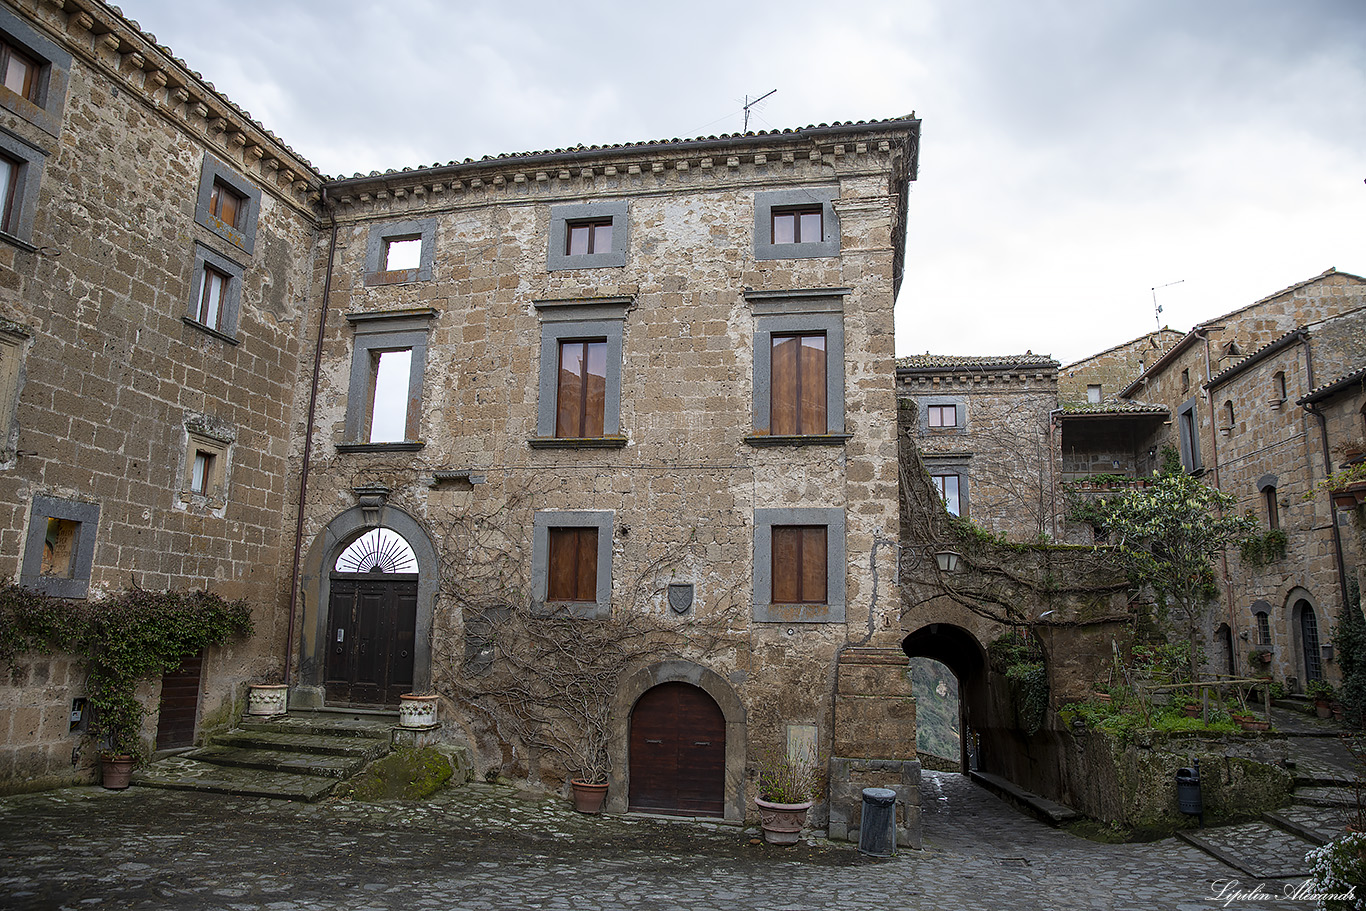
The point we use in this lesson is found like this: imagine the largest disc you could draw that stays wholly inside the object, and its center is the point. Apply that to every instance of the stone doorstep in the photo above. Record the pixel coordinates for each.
(1255, 848)
(1051, 812)
(331, 724)
(184, 774)
(317, 764)
(321, 744)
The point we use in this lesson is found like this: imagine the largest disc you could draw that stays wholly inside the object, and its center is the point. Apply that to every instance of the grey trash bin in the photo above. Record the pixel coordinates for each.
(877, 833)
(1188, 799)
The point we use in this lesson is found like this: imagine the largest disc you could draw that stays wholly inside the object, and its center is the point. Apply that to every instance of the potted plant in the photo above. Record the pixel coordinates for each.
(1321, 691)
(417, 710)
(787, 786)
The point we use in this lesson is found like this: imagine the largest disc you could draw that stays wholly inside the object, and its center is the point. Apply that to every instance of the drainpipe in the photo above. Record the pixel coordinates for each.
(1054, 469)
(1214, 459)
(1327, 470)
(308, 446)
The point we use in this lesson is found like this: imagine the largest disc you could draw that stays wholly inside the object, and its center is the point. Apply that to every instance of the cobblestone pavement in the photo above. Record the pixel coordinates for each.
(485, 847)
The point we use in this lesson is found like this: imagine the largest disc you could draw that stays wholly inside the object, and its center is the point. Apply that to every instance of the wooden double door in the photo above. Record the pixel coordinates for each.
(371, 631)
(678, 752)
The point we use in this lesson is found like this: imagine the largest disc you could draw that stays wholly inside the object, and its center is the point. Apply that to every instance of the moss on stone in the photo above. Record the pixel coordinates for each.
(405, 774)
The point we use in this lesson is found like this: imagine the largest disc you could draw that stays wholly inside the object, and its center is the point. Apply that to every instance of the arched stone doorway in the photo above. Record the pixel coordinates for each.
(959, 650)
(1223, 659)
(715, 688)
(368, 589)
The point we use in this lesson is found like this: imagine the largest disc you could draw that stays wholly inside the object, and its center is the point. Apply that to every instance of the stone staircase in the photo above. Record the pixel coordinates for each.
(298, 756)
(1323, 801)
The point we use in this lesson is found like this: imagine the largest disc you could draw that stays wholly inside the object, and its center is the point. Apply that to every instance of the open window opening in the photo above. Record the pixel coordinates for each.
(402, 253)
(388, 405)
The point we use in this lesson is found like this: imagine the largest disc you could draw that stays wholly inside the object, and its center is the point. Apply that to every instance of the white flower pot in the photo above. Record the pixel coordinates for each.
(417, 711)
(267, 699)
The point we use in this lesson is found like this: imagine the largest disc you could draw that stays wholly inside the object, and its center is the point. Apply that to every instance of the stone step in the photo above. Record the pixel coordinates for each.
(183, 773)
(1316, 824)
(315, 764)
(1256, 848)
(320, 744)
(376, 726)
(1307, 778)
(1051, 812)
(1326, 796)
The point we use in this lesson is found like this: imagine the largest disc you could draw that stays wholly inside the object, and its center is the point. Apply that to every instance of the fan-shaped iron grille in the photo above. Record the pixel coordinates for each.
(378, 551)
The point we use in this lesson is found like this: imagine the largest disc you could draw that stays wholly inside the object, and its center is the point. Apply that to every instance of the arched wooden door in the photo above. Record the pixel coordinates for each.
(372, 620)
(1309, 641)
(678, 752)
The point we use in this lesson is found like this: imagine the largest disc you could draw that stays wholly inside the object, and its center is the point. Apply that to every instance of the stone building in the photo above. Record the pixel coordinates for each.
(156, 255)
(654, 378)
(1099, 378)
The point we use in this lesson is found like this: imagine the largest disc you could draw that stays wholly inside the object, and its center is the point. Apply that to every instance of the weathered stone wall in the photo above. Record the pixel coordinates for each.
(111, 375)
(1113, 368)
(684, 484)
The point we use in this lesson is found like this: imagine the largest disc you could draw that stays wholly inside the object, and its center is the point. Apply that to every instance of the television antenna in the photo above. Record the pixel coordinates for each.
(1157, 308)
(749, 104)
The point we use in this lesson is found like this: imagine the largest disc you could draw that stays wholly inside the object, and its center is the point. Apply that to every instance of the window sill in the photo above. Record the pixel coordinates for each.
(221, 336)
(395, 277)
(613, 442)
(409, 446)
(806, 439)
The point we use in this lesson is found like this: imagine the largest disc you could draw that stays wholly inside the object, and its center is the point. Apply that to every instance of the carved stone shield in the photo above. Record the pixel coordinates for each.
(680, 597)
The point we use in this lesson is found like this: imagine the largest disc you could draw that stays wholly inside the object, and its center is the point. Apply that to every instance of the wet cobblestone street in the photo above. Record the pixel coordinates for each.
(485, 847)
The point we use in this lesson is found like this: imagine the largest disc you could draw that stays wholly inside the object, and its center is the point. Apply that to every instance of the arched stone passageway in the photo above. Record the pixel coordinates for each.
(959, 650)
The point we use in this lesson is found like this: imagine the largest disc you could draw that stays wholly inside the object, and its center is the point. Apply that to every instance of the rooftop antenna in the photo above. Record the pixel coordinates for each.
(749, 104)
(1157, 308)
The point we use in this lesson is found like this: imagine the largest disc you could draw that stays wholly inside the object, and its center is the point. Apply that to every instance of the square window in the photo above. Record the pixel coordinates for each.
(579, 378)
(215, 302)
(228, 204)
(587, 236)
(204, 470)
(387, 404)
(571, 553)
(400, 252)
(582, 393)
(943, 415)
(573, 565)
(799, 559)
(798, 385)
(796, 224)
(34, 72)
(799, 564)
(947, 485)
(60, 547)
(384, 398)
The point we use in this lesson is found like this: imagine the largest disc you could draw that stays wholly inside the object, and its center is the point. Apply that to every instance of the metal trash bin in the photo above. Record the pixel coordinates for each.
(877, 831)
(1188, 799)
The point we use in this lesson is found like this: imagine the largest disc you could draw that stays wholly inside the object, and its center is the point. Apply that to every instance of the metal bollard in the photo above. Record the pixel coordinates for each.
(877, 832)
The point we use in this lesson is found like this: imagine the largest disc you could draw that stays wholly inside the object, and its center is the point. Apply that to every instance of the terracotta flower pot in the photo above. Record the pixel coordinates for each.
(588, 797)
(116, 771)
(782, 822)
(1253, 724)
(1323, 709)
(1192, 710)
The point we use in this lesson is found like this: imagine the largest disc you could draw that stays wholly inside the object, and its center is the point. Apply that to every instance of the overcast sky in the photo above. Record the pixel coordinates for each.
(1075, 153)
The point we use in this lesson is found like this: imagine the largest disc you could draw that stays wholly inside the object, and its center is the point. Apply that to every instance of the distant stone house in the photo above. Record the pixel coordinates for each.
(655, 377)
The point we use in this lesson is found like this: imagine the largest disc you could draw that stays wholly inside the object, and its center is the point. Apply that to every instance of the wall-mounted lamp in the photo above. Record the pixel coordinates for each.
(947, 560)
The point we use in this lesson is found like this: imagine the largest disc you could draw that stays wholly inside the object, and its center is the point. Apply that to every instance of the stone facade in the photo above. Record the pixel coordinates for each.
(110, 381)
(1100, 377)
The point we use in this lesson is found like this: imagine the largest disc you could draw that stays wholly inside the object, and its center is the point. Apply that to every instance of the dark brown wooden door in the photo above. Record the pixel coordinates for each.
(179, 704)
(678, 752)
(370, 636)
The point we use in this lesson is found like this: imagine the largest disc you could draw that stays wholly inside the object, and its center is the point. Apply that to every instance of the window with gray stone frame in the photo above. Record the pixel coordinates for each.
(1188, 434)
(13, 340)
(817, 311)
(402, 336)
(389, 249)
(59, 550)
(21, 172)
(219, 186)
(941, 414)
(950, 481)
(612, 214)
(543, 523)
(46, 96)
(580, 319)
(215, 302)
(809, 199)
(765, 610)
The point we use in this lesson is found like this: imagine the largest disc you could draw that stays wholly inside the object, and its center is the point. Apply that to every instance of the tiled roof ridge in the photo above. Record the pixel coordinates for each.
(929, 361)
(1323, 390)
(1115, 408)
(1165, 329)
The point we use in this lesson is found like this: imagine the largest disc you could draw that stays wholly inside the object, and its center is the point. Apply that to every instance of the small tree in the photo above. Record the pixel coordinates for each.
(1167, 535)
(1350, 640)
